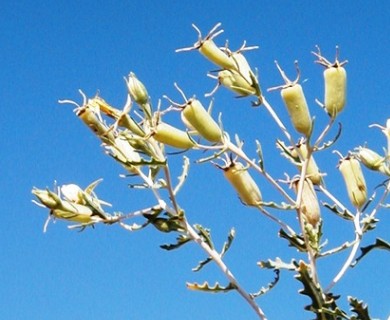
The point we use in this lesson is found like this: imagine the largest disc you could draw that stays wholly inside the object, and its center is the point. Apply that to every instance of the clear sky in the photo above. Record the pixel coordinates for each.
(50, 49)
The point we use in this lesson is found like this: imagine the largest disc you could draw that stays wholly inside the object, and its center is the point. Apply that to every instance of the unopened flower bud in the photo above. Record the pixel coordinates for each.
(72, 193)
(137, 90)
(310, 207)
(172, 136)
(246, 188)
(201, 121)
(370, 158)
(235, 82)
(89, 117)
(354, 181)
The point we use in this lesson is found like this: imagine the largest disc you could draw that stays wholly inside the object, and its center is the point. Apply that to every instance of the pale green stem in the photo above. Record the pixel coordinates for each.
(218, 260)
(352, 254)
(278, 121)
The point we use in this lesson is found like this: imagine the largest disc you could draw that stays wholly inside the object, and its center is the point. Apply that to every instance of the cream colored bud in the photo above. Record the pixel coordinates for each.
(370, 158)
(235, 82)
(246, 188)
(354, 181)
(309, 207)
(295, 101)
(48, 198)
(137, 90)
(172, 136)
(335, 78)
(72, 193)
(201, 121)
(89, 117)
(335, 89)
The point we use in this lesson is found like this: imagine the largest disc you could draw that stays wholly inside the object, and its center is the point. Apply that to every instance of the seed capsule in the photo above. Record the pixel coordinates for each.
(210, 50)
(201, 121)
(90, 118)
(67, 210)
(335, 78)
(243, 183)
(310, 207)
(354, 181)
(124, 119)
(370, 158)
(235, 82)
(335, 90)
(172, 136)
(295, 102)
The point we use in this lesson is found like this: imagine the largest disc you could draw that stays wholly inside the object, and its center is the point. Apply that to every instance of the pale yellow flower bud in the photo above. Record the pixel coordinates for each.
(370, 158)
(354, 181)
(137, 90)
(72, 193)
(246, 188)
(201, 121)
(310, 207)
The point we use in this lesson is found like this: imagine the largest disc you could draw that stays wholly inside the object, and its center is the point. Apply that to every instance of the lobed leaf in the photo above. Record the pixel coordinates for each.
(217, 288)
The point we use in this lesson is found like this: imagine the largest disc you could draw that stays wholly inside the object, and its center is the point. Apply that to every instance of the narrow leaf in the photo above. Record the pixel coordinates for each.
(272, 284)
(217, 288)
(379, 244)
(181, 240)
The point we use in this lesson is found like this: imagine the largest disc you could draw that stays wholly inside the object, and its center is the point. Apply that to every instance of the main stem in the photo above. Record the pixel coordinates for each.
(218, 260)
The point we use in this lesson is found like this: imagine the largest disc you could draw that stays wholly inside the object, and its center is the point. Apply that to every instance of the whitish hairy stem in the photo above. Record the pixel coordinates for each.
(310, 253)
(278, 121)
(344, 246)
(324, 132)
(240, 153)
(352, 254)
(218, 260)
(278, 221)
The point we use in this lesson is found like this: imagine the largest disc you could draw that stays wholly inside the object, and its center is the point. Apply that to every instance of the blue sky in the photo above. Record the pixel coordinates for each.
(49, 50)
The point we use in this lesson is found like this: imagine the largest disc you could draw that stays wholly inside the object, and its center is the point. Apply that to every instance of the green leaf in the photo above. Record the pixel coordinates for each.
(228, 242)
(259, 152)
(329, 143)
(270, 285)
(369, 223)
(217, 288)
(281, 206)
(201, 264)
(278, 264)
(379, 244)
(225, 247)
(322, 304)
(345, 214)
(183, 176)
(181, 240)
(205, 234)
(295, 240)
(359, 308)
